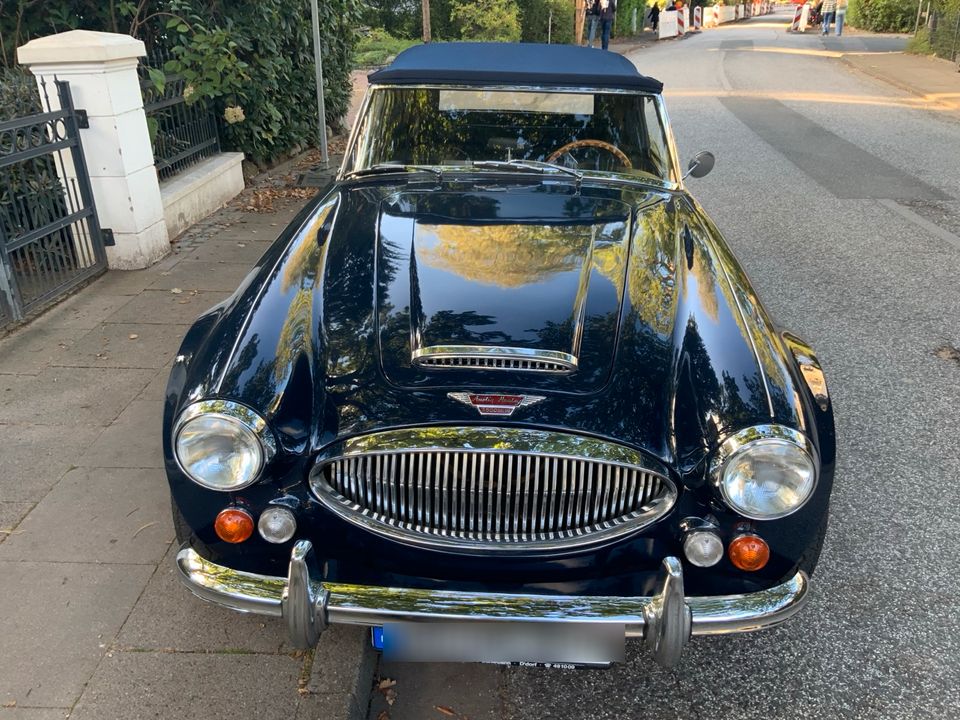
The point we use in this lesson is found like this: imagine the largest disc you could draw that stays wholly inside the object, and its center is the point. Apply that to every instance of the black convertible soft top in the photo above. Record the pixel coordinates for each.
(514, 64)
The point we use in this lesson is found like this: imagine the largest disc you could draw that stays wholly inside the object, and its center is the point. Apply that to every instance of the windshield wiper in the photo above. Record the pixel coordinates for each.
(532, 165)
(383, 168)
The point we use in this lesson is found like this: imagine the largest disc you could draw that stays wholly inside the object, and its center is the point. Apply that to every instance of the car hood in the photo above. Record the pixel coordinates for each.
(323, 337)
(475, 287)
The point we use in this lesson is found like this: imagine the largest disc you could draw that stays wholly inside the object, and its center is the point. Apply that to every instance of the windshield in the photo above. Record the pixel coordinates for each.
(587, 131)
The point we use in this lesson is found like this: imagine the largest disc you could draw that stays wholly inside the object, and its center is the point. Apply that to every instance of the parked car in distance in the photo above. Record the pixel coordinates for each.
(502, 392)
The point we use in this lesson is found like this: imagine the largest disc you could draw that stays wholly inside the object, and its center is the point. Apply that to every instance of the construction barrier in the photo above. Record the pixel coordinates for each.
(795, 25)
(668, 24)
(676, 23)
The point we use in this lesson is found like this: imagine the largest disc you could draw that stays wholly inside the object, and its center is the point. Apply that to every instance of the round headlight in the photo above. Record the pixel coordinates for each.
(222, 445)
(766, 472)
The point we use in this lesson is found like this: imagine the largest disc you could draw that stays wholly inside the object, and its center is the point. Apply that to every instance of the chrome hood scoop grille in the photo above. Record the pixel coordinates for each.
(483, 357)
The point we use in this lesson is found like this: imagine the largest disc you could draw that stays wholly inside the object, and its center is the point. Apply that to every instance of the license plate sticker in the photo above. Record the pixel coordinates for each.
(544, 644)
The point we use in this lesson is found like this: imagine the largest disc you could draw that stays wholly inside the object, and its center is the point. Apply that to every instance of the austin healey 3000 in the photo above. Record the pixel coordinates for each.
(502, 392)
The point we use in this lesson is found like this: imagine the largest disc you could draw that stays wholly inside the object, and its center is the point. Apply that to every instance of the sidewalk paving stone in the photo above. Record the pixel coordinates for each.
(35, 457)
(69, 396)
(32, 713)
(170, 617)
(54, 620)
(198, 275)
(244, 251)
(163, 307)
(124, 345)
(133, 440)
(157, 388)
(86, 309)
(96, 515)
(27, 353)
(11, 513)
(211, 686)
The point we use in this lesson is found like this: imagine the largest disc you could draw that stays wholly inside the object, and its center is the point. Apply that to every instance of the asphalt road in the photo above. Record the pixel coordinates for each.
(841, 198)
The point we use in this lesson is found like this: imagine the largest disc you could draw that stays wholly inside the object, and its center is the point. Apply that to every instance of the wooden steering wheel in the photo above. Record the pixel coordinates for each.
(587, 142)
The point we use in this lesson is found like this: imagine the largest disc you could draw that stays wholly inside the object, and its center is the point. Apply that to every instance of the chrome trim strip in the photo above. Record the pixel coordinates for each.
(364, 605)
(486, 357)
(652, 494)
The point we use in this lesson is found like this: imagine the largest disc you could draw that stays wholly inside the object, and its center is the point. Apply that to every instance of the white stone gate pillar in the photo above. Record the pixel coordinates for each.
(102, 71)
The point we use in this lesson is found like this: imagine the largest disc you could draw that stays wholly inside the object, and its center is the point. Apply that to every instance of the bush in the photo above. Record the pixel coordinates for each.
(625, 10)
(882, 15)
(535, 20)
(18, 93)
(497, 20)
(378, 47)
(252, 60)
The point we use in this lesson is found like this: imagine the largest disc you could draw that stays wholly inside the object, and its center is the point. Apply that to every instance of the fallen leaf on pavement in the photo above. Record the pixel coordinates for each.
(133, 336)
(176, 291)
(386, 683)
(383, 715)
(391, 696)
(443, 709)
(144, 528)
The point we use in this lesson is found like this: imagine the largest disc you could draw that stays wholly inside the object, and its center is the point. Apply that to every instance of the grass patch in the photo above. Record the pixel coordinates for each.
(378, 47)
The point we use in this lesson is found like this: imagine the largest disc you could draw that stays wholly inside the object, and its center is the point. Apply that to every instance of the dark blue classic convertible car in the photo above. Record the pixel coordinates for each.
(502, 392)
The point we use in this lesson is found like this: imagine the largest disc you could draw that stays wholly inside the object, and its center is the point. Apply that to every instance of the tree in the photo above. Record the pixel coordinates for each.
(486, 19)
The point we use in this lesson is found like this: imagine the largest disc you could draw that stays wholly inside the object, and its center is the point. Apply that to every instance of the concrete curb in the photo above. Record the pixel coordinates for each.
(341, 676)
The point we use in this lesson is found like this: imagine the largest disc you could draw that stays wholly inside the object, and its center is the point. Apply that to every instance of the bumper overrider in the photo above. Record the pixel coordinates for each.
(666, 620)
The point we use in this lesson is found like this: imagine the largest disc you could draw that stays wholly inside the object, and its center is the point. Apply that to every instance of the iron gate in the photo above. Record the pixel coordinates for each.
(50, 239)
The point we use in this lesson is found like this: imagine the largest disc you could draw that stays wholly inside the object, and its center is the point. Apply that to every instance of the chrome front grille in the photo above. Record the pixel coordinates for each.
(492, 498)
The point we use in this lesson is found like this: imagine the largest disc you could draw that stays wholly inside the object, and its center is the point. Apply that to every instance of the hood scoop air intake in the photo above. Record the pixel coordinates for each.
(483, 357)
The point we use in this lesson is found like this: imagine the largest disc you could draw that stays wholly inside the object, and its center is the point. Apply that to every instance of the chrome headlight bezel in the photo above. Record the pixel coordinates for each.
(758, 436)
(246, 419)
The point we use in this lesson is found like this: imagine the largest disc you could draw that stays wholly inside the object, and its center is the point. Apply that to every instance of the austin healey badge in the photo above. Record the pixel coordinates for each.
(495, 404)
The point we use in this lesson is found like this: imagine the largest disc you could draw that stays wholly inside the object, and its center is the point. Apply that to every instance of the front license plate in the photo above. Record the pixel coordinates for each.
(546, 644)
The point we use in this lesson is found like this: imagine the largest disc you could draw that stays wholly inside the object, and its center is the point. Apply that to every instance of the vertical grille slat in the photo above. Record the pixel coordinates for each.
(497, 498)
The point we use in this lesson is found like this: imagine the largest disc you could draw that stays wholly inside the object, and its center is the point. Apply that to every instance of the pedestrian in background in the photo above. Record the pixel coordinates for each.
(593, 19)
(654, 15)
(829, 10)
(841, 13)
(608, 11)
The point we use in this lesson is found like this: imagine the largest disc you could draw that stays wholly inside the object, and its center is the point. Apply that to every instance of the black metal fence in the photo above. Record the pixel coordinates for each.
(945, 35)
(50, 239)
(181, 133)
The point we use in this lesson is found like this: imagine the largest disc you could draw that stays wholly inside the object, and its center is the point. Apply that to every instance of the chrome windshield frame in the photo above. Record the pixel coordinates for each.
(673, 183)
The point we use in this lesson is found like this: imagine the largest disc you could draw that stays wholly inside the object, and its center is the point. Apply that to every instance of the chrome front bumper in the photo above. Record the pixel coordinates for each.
(665, 621)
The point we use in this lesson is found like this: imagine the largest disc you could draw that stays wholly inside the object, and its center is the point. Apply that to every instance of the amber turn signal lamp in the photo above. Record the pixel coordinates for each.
(749, 552)
(233, 525)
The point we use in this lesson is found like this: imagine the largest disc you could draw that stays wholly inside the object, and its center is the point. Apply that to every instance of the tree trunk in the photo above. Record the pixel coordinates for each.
(425, 4)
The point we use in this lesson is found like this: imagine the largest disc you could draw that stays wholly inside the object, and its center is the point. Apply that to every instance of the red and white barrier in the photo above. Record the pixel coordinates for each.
(697, 18)
(681, 22)
(801, 18)
(716, 15)
(795, 26)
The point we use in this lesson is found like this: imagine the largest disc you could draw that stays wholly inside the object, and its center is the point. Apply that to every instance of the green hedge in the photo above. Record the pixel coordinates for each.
(18, 93)
(252, 60)
(535, 20)
(883, 15)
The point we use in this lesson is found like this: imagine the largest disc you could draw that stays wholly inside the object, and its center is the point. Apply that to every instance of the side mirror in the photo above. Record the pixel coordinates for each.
(701, 164)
